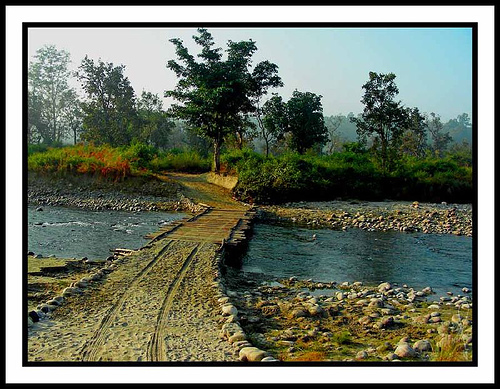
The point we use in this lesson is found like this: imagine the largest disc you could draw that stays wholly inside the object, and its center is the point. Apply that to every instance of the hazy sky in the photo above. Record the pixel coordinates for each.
(433, 66)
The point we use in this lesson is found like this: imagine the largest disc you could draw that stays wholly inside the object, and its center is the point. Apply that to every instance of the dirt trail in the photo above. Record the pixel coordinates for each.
(196, 187)
(158, 304)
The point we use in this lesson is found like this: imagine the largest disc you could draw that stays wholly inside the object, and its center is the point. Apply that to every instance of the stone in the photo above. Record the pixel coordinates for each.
(361, 355)
(422, 345)
(387, 322)
(376, 303)
(229, 309)
(256, 355)
(238, 336)
(34, 316)
(223, 300)
(45, 308)
(384, 287)
(81, 284)
(404, 350)
(269, 359)
(243, 354)
(316, 310)
(298, 312)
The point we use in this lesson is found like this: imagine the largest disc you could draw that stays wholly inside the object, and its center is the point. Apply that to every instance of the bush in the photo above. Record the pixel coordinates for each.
(294, 177)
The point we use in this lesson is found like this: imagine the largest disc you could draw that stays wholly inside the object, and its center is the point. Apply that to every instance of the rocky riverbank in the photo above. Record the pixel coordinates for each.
(383, 216)
(303, 320)
(135, 194)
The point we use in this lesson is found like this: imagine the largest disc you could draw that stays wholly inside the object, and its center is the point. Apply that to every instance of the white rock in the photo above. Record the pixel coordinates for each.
(229, 310)
(269, 359)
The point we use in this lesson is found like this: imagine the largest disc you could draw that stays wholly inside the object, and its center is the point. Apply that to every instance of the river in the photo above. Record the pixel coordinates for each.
(76, 233)
(443, 262)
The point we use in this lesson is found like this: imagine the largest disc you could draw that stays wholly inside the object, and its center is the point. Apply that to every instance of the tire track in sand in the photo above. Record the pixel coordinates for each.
(156, 349)
(92, 349)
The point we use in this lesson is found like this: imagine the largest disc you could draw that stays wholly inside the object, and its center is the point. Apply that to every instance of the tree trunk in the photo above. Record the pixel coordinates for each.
(217, 147)
(267, 146)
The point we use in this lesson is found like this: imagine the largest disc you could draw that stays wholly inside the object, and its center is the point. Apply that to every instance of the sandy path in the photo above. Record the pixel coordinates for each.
(158, 305)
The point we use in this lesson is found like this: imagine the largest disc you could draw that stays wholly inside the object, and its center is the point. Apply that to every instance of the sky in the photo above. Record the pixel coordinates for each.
(433, 66)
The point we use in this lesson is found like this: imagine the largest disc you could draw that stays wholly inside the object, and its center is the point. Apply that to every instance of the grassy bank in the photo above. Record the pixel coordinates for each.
(113, 163)
(347, 175)
(268, 180)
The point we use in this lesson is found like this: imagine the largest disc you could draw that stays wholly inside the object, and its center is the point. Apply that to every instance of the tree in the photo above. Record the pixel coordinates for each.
(414, 138)
(73, 116)
(382, 117)
(215, 95)
(332, 124)
(273, 121)
(440, 139)
(110, 113)
(48, 94)
(264, 77)
(459, 128)
(305, 121)
(154, 122)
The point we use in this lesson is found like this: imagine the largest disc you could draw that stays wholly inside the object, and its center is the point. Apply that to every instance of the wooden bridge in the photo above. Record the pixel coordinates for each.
(227, 227)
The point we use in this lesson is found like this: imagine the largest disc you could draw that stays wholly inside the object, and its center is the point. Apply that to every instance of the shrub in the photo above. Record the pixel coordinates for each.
(292, 177)
(186, 161)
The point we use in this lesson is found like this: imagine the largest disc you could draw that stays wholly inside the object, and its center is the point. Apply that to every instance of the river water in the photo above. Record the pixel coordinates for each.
(77, 233)
(443, 262)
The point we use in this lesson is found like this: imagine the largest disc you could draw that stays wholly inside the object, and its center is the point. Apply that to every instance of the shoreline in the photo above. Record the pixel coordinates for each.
(429, 218)
(137, 195)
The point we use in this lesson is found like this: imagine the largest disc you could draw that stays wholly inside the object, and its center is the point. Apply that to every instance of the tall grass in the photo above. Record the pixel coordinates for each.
(102, 161)
(113, 163)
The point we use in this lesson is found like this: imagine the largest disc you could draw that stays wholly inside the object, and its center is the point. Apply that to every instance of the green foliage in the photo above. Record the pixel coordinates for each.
(305, 121)
(382, 117)
(101, 161)
(139, 154)
(180, 161)
(110, 115)
(216, 95)
(115, 163)
(346, 175)
(52, 103)
(343, 337)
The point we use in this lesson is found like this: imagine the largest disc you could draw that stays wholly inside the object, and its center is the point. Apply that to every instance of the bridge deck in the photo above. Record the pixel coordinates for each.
(213, 226)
